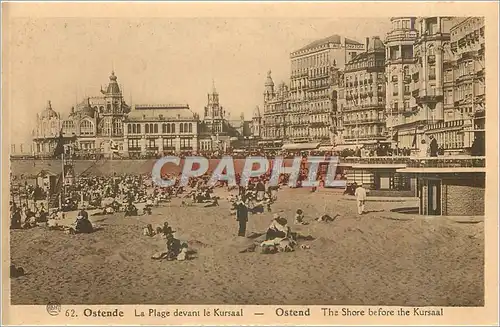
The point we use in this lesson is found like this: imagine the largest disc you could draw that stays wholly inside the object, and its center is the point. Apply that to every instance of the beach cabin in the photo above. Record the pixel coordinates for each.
(47, 181)
(449, 186)
(380, 175)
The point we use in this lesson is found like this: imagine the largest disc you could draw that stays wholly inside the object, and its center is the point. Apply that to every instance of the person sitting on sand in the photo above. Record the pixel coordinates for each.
(82, 213)
(173, 247)
(15, 218)
(148, 230)
(183, 255)
(278, 228)
(30, 220)
(131, 210)
(83, 224)
(167, 230)
(325, 219)
(299, 218)
(16, 271)
(213, 203)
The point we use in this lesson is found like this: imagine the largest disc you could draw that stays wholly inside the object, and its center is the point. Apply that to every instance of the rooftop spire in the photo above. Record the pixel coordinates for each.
(214, 90)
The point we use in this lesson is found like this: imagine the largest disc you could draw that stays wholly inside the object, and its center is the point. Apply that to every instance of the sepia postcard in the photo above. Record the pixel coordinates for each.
(250, 163)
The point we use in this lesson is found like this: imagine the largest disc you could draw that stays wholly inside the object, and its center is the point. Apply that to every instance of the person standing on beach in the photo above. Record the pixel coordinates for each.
(242, 216)
(360, 198)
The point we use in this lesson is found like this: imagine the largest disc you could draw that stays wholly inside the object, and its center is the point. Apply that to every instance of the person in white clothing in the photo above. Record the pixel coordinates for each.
(360, 198)
(423, 149)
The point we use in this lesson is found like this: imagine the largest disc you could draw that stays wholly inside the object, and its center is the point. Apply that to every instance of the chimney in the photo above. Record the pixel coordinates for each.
(367, 43)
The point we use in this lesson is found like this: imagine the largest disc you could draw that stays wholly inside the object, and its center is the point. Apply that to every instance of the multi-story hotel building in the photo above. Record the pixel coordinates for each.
(311, 103)
(399, 62)
(464, 84)
(276, 120)
(364, 111)
(426, 87)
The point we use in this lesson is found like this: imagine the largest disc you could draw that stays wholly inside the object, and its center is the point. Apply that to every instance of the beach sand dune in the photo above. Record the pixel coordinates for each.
(355, 260)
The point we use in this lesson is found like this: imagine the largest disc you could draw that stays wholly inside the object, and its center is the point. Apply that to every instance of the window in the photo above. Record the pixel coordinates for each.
(133, 144)
(449, 97)
(86, 127)
(407, 89)
(117, 127)
(168, 144)
(68, 126)
(181, 128)
(185, 144)
(156, 128)
(129, 128)
(147, 128)
(139, 128)
(107, 127)
(151, 144)
(173, 128)
(395, 88)
(164, 128)
(432, 72)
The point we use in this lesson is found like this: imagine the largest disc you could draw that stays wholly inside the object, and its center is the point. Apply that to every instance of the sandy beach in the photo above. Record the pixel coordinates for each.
(374, 259)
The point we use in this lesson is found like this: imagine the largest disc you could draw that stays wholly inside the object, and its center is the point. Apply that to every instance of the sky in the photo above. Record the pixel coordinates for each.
(158, 60)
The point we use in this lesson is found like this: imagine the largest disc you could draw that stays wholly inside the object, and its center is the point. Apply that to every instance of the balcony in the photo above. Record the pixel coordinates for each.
(451, 162)
(401, 35)
(412, 162)
(430, 97)
(408, 112)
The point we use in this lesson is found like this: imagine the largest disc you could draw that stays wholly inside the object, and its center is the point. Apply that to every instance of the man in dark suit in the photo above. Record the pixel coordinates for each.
(433, 147)
(242, 216)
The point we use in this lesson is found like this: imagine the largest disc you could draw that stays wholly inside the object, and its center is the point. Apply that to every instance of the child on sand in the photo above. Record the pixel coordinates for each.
(299, 218)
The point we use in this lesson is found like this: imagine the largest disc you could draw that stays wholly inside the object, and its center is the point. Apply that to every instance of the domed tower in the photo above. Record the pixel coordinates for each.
(111, 124)
(47, 129)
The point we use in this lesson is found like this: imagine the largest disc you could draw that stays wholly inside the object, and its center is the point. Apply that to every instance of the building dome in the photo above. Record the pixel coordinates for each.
(376, 44)
(48, 113)
(113, 87)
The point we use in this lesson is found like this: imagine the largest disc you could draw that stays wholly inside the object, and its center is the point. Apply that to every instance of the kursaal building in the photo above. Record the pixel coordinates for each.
(107, 124)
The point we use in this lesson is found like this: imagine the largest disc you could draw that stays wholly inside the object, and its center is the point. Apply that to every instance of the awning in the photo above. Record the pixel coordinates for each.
(325, 148)
(300, 146)
(344, 146)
